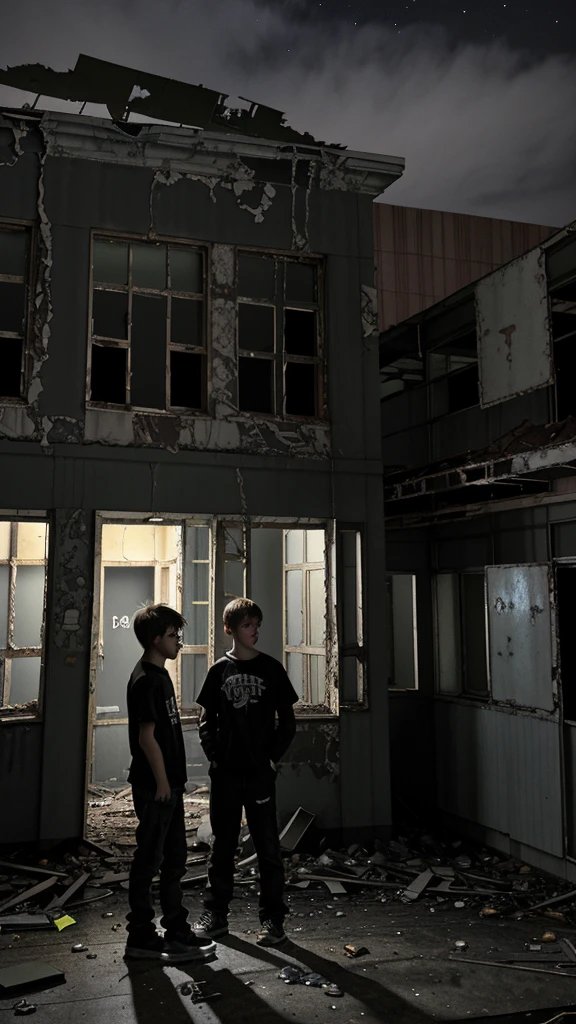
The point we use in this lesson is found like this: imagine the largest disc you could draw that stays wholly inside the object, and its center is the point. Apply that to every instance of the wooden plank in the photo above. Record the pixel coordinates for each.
(29, 894)
(417, 886)
(27, 869)
(59, 901)
(510, 967)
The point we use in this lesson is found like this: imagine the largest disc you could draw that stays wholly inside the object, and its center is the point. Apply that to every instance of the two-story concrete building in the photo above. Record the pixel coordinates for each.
(479, 446)
(188, 412)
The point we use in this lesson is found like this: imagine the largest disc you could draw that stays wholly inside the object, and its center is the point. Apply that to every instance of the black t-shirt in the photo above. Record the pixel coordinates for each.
(241, 699)
(151, 698)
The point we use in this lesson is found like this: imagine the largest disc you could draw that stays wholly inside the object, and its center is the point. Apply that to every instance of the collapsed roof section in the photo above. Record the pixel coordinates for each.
(124, 91)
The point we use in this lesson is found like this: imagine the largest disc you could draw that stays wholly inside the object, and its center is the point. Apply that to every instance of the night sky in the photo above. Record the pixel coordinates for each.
(478, 97)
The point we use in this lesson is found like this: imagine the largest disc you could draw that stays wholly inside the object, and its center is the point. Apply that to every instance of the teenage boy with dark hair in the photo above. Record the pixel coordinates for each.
(242, 695)
(158, 777)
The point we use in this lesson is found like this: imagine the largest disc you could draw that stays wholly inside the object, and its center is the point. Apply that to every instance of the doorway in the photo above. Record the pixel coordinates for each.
(566, 610)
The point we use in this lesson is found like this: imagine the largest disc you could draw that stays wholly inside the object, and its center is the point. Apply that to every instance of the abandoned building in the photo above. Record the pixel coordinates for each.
(479, 447)
(189, 412)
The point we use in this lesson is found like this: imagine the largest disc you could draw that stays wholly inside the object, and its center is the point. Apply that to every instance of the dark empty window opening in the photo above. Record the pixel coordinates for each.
(566, 599)
(14, 297)
(279, 328)
(463, 389)
(149, 298)
(563, 306)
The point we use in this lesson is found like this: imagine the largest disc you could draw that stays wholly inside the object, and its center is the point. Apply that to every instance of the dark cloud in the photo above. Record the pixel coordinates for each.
(483, 129)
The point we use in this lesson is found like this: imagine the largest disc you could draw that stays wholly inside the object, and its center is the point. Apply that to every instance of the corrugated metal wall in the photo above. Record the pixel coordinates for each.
(422, 256)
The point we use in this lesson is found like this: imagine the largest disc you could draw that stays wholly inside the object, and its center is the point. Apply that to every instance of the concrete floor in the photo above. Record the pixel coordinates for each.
(405, 978)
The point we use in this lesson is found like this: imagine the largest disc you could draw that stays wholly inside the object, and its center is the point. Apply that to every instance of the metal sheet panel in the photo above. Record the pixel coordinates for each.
(502, 771)
(519, 630)
(513, 330)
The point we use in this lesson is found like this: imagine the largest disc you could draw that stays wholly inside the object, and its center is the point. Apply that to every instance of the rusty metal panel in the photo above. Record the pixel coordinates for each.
(520, 635)
(513, 330)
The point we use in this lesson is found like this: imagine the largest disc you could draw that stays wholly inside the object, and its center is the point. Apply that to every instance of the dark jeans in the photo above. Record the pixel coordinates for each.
(257, 794)
(161, 847)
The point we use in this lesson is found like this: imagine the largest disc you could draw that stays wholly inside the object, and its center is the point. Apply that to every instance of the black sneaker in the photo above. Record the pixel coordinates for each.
(272, 933)
(196, 946)
(150, 947)
(211, 924)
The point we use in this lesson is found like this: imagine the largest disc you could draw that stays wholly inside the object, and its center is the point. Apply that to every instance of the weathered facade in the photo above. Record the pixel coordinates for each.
(188, 412)
(479, 446)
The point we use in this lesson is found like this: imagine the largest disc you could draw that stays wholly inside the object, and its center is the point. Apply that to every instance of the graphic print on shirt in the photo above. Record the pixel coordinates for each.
(242, 689)
(172, 709)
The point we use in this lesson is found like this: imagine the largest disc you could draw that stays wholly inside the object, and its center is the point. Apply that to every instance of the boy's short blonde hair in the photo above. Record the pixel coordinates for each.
(238, 610)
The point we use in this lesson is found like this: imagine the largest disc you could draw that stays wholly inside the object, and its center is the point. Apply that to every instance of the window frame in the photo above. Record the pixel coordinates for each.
(394, 687)
(462, 692)
(278, 356)
(203, 248)
(12, 652)
(28, 280)
(306, 649)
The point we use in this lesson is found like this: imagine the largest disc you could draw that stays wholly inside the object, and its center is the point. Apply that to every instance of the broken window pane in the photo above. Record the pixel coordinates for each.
(149, 266)
(234, 579)
(233, 542)
(294, 547)
(13, 249)
(28, 605)
(110, 315)
(186, 270)
(108, 376)
(314, 545)
(186, 322)
(294, 613)
(256, 328)
(294, 670)
(197, 630)
(11, 361)
(186, 377)
(148, 352)
(300, 282)
(300, 332)
(4, 602)
(110, 262)
(255, 385)
(317, 679)
(255, 277)
(316, 607)
(24, 680)
(301, 389)
(12, 307)
(194, 669)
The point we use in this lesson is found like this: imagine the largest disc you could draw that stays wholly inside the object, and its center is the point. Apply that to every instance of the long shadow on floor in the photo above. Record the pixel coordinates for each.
(154, 996)
(382, 1003)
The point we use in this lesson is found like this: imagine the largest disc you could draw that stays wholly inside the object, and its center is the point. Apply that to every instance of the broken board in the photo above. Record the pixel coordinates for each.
(29, 894)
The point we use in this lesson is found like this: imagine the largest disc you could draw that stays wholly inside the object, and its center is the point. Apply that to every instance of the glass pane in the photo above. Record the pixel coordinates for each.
(256, 328)
(148, 352)
(110, 315)
(234, 579)
(29, 605)
(255, 385)
(196, 632)
(186, 322)
(255, 277)
(300, 332)
(294, 607)
(294, 670)
(12, 310)
(24, 680)
(149, 266)
(448, 611)
(11, 376)
(186, 270)
(186, 379)
(110, 262)
(31, 543)
(5, 533)
(108, 375)
(300, 282)
(474, 622)
(317, 679)
(315, 546)
(294, 547)
(349, 681)
(233, 543)
(13, 248)
(404, 631)
(317, 607)
(301, 389)
(4, 602)
(194, 669)
(198, 542)
(349, 597)
(199, 580)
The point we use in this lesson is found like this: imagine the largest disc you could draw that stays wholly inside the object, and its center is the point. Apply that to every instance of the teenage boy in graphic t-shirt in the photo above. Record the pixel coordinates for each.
(158, 777)
(247, 725)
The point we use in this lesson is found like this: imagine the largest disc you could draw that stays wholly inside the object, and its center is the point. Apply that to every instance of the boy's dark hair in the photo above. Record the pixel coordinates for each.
(153, 620)
(236, 611)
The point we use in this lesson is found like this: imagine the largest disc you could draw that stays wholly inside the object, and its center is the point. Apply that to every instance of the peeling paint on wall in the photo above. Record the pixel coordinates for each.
(10, 137)
(369, 308)
(72, 604)
(316, 747)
